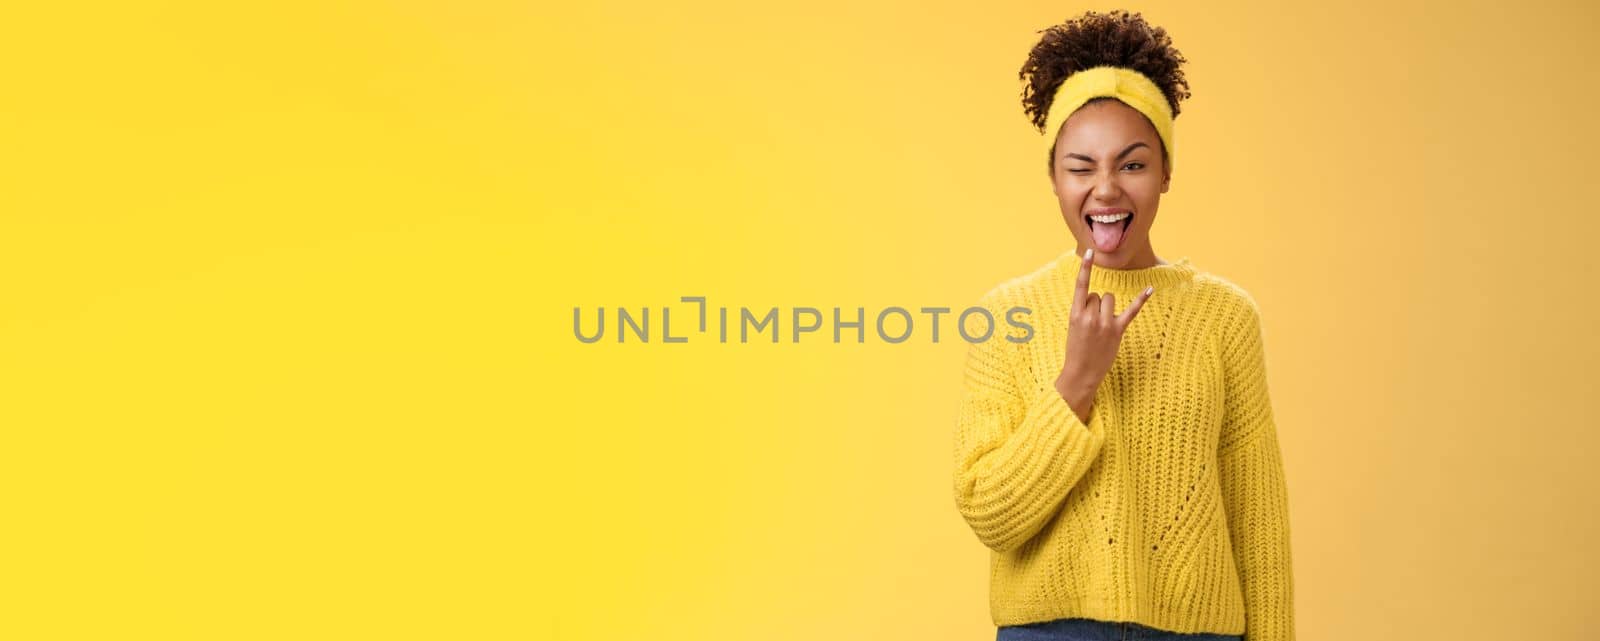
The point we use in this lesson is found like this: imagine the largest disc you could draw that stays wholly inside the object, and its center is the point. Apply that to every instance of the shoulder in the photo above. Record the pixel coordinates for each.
(1010, 303)
(1026, 289)
(1225, 295)
(1233, 309)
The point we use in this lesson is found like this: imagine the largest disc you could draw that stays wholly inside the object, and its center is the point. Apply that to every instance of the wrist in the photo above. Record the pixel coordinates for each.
(1071, 386)
(1076, 395)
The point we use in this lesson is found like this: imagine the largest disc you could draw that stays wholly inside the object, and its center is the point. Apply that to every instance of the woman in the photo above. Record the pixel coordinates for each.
(1122, 466)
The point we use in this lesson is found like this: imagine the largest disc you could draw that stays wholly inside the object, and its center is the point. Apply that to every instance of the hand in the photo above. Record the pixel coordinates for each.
(1094, 334)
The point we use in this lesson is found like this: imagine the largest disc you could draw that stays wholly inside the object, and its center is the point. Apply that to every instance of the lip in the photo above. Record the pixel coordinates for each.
(1126, 222)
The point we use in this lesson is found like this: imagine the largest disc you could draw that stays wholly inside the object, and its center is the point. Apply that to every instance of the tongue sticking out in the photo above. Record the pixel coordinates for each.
(1108, 236)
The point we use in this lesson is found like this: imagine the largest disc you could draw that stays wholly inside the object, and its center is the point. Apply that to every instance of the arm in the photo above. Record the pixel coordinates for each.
(1018, 448)
(1254, 491)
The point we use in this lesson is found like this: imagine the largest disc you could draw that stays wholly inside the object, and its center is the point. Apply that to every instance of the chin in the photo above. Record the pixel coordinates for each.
(1123, 254)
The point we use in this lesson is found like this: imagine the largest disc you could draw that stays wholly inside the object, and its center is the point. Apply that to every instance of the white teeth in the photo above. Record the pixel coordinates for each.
(1110, 218)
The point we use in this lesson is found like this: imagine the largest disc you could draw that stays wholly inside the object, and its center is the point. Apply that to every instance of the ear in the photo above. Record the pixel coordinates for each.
(1166, 179)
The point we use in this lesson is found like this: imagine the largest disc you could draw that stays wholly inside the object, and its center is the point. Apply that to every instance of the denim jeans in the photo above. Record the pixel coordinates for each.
(1077, 629)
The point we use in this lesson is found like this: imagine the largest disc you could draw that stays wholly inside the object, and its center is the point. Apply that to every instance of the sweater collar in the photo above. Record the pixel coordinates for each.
(1124, 280)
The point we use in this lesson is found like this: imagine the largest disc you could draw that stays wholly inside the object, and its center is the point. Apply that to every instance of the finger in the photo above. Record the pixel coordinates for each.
(1091, 304)
(1080, 294)
(1133, 308)
(1108, 309)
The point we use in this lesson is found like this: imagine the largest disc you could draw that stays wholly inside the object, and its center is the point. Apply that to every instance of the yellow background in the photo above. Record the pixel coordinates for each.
(288, 295)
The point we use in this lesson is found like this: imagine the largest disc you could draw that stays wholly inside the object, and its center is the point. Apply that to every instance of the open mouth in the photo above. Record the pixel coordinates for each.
(1107, 237)
(1125, 222)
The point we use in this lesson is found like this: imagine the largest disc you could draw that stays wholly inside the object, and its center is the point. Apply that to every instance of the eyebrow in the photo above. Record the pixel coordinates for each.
(1119, 156)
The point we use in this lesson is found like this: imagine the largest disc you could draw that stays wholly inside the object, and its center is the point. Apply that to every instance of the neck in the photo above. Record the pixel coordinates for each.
(1128, 279)
(1144, 258)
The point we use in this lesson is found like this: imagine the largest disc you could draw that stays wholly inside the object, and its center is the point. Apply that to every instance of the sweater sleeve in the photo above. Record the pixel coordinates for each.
(1019, 448)
(1254, 490)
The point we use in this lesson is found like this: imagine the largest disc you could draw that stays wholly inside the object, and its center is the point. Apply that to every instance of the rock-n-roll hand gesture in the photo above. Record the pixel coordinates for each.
(1092, 340)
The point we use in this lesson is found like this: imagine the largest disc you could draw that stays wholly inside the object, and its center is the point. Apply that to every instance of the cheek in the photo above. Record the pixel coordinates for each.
(1071, 193)
(1147, 192)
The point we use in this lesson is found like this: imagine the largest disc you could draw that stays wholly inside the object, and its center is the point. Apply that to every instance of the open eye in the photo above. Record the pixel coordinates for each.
(1131, 164)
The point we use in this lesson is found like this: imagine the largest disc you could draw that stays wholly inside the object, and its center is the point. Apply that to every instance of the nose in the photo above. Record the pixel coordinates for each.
(1106, 187)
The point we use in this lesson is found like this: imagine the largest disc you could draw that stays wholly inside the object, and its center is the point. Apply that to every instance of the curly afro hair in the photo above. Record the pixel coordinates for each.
(1117, 38)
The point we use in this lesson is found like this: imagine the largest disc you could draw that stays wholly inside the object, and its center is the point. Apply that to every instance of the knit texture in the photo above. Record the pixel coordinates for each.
(1170, 507)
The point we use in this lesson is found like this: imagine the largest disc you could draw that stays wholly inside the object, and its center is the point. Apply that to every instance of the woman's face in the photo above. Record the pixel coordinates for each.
(1108, 157)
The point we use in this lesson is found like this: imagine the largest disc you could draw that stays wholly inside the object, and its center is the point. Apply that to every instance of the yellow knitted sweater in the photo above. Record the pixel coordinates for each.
(1169, 508)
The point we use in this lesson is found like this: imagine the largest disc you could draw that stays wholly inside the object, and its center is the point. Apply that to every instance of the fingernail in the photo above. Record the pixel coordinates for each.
(1088, 253)
(1149, 290)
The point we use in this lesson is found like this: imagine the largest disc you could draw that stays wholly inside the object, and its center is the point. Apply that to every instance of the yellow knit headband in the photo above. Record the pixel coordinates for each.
(1127, 85)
